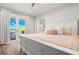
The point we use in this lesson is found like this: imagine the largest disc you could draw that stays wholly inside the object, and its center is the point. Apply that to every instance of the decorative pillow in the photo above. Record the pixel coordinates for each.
(52, 32)
(67, 31)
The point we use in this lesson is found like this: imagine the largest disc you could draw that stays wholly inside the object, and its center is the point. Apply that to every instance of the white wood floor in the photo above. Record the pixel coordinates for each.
(12, 48)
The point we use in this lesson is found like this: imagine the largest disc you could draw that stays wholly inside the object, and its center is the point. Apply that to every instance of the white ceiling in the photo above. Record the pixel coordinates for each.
(27, 8)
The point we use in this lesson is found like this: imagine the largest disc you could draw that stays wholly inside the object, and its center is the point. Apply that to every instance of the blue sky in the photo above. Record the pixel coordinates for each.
(22, 24)
(13, 23)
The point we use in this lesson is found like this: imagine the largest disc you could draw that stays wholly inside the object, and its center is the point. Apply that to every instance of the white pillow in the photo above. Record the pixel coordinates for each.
(60, 30)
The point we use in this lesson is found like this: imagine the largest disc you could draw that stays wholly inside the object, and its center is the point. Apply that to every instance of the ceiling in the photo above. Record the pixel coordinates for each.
(39, 8)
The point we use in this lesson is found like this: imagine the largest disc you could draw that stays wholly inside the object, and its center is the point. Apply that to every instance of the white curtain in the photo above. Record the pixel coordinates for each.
(3, 26)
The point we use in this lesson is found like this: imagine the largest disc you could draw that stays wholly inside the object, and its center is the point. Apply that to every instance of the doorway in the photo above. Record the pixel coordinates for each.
(13, 28)
(22, 26)
(17, 27)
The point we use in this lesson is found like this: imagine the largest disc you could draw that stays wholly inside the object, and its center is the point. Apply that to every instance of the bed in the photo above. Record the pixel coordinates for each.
(66, 41)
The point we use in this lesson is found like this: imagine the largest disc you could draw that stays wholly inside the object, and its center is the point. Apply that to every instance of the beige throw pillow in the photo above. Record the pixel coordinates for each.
(52, 32)
(67, 31)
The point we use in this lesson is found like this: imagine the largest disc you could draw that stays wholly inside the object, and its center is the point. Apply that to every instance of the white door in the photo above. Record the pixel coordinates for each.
(13, 27)
(17, 26)
(22, 26)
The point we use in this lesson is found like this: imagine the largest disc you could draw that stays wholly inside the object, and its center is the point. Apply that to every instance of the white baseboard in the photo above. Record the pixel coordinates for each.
(12, 41)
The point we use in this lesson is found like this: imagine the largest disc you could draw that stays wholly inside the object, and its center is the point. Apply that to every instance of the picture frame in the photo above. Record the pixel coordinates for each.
(42, 25)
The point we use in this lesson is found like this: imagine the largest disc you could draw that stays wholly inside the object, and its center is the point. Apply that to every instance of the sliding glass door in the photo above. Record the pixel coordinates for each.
(22, 26)
(17, 26)
(13, 28)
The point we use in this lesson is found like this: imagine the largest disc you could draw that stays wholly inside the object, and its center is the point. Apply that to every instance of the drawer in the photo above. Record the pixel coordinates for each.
(34, 48)
(52, 51)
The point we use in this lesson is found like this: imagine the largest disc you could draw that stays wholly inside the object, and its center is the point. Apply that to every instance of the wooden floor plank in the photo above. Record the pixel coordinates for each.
(12, 48)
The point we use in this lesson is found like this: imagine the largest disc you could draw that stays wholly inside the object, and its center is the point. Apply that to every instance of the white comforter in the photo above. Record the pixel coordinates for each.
(67, 41)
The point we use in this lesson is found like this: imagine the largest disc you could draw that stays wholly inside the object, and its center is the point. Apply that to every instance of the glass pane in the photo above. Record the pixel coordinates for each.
(12, 28)
(22, 26)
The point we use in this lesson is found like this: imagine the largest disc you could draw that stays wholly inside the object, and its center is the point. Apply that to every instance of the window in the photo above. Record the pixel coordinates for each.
(22, 26)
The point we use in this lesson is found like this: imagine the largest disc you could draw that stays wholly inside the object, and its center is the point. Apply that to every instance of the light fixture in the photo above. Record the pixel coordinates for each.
(33, 4)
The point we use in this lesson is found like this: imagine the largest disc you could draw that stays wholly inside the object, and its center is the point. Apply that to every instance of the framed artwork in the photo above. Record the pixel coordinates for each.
(42, 25)
(42, 21)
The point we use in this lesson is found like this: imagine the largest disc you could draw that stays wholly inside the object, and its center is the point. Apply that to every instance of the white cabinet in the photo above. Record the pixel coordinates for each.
(30, 46)
(24, 43)
(36, 48)
(52, 51)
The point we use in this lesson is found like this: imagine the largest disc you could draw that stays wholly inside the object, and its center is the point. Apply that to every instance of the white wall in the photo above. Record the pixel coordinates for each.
(30, 25)
(64, 16)
(4, 25)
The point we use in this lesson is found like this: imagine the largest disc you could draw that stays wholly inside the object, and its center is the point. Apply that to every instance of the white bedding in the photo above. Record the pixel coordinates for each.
(67, 41)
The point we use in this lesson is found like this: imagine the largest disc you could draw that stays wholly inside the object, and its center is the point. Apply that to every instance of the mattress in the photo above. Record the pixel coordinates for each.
(67, 41)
